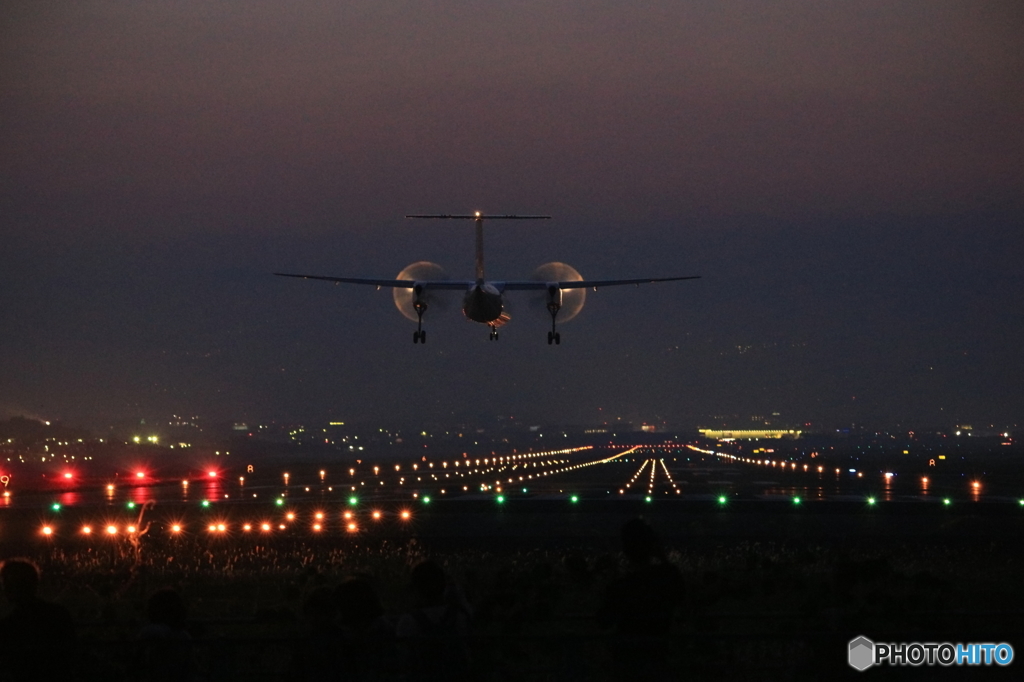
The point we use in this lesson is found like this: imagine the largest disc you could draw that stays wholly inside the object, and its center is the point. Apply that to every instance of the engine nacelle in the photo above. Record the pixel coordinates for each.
(413, 302)
(564, 303)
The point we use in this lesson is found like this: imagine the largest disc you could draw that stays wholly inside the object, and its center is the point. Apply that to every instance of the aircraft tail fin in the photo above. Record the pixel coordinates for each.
(479, 218)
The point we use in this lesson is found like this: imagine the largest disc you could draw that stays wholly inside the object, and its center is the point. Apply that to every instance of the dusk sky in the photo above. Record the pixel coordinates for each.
(847, 178)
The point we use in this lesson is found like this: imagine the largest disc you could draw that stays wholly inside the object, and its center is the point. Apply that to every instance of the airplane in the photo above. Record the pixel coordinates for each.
(562, 289)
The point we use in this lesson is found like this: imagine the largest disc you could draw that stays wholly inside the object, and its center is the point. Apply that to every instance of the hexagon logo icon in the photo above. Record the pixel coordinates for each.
(862, 653)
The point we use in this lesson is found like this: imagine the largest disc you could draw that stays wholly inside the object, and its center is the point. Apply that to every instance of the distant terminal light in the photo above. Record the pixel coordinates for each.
(749, 434)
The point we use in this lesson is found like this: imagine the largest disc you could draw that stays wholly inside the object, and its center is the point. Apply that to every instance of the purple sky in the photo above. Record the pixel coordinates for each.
(847, 177)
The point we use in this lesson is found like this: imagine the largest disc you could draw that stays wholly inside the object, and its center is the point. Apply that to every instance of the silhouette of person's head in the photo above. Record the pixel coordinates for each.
(166, 607)
(318, 607)
(428, 582)
(20, 578)
(640, 544)
(357, 603)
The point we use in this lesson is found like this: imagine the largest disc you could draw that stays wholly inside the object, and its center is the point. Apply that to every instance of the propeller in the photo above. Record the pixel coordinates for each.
(421, 271)
(572, 299)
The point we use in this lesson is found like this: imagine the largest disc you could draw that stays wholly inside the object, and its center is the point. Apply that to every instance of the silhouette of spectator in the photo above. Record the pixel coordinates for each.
(640, 605)
(433, 635)
(165, 647)
(319, 655)
(37, 638)
(369, 637)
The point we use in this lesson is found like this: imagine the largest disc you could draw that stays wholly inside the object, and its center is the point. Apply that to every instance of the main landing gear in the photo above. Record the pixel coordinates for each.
(554, 305)
(494, 333)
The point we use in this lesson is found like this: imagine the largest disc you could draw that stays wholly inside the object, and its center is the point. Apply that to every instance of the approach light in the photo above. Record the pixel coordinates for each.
(796, 500)
(426, 499)
(947, 501)
(279, 502)
(205, 503)
(574, 499)
(721, 499)
(111, 530)
(406, 515)
(86, 530)
(47, 530)
(265, 527)
(500, 499)
(55, 506)
(353, 501)
(139, 474)
(871, 500)
(131, 505)
(176, 528)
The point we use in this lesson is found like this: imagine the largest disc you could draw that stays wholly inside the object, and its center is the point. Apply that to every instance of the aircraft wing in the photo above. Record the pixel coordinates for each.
(392, 283)
(588, 283)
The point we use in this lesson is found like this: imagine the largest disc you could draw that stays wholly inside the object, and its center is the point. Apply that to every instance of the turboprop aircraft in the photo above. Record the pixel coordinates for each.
(560, 287)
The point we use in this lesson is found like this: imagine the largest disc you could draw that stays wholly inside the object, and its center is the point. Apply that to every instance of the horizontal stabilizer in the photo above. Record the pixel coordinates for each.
(586, 284)
(480, 216)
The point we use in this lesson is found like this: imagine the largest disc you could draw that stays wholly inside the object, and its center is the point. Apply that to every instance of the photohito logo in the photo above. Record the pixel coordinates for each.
(863, 653)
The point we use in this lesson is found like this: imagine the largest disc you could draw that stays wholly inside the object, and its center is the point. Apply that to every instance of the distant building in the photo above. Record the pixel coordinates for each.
(748, 434)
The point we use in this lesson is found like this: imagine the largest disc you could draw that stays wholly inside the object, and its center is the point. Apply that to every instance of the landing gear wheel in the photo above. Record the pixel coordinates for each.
(558, 339)
(419, 336)
(415, 337)
(551, 338)
(493, 335)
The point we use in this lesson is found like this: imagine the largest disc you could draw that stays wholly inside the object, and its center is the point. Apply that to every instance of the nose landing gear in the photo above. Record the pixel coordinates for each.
(494, 333)
(420, 306)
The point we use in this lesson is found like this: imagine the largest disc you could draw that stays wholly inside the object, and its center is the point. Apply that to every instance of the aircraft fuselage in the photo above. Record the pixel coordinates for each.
(482, 303)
